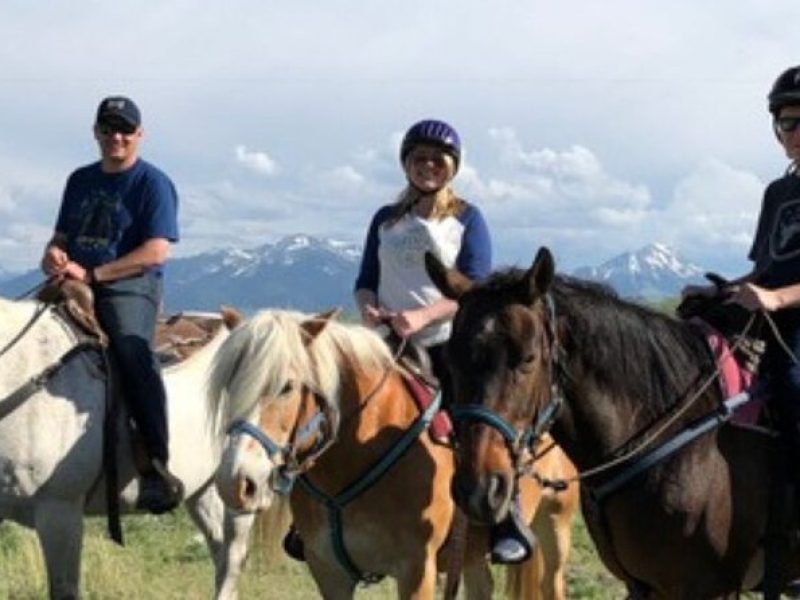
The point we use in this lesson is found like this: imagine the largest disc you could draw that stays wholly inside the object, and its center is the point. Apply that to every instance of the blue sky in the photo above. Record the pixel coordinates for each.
(590, 127)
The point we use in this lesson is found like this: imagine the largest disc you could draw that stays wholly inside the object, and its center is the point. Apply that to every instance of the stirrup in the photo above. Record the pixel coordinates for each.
(512, 540)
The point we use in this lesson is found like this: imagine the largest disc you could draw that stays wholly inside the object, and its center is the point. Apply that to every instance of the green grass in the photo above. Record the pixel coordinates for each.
(165, 559)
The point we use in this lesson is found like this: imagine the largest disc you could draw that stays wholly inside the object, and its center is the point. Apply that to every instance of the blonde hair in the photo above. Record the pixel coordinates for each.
(451, 206)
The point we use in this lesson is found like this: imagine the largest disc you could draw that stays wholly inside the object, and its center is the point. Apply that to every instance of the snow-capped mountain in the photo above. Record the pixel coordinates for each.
(298, 271)
(652, 273)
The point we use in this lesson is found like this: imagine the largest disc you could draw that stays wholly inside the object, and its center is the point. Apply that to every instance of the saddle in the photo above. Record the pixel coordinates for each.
(177, 337)
(737, 348)
(421, 383)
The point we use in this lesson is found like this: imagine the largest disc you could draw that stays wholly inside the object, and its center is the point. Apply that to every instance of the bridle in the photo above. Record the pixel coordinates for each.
(321, 428)
(522, 444)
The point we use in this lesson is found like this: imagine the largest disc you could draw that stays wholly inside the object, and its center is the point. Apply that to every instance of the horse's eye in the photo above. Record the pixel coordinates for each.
(527, 361)
(288, 388)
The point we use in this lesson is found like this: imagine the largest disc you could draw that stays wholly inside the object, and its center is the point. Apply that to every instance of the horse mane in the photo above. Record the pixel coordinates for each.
(656, 359)
(265, 352)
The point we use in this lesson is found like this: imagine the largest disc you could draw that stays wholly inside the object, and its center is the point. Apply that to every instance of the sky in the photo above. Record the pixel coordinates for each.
(593, 128)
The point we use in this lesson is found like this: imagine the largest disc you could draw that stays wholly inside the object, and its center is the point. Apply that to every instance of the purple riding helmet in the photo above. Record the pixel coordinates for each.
(432, 132)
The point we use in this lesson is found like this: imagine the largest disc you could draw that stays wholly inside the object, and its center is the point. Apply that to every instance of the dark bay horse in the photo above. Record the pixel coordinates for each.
(532, 351)
(310, 401)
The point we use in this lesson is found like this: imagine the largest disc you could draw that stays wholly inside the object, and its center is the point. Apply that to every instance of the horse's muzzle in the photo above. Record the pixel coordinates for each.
(486, 499)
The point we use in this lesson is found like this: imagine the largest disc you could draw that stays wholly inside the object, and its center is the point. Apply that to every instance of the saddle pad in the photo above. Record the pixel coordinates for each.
(733, 376)
(441, 427)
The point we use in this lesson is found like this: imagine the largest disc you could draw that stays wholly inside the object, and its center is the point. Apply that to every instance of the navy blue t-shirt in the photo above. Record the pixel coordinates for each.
(107, 215)
(776, 248)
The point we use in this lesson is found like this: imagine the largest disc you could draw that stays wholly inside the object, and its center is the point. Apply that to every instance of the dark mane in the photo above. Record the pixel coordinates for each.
(654, 359)
(650, 358)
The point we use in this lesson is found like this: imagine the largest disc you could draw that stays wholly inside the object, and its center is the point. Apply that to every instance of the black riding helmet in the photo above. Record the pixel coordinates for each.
(785, 91)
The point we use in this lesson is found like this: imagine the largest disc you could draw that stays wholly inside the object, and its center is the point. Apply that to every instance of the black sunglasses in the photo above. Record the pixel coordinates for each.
(787, 124)
(112, 128)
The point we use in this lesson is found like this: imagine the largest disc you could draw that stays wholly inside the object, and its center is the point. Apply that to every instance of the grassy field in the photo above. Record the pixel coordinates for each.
(165, 559)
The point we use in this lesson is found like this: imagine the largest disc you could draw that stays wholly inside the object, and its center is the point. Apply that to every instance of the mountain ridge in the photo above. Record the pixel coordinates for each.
(308, 273)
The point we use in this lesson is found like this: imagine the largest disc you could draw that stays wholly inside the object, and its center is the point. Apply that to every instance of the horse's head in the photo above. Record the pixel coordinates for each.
(500, 356)
(268, 400)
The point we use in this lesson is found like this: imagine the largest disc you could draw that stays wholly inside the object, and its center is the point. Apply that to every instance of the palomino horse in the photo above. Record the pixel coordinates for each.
(52, 407)
(320, 407)
(618, 386)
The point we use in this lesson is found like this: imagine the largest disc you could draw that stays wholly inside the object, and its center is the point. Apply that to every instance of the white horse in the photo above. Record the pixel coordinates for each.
(51, 445)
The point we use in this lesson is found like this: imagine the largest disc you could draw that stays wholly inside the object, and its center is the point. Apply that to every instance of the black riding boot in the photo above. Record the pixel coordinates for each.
(293, 544)
(159, 490)
(512, 540)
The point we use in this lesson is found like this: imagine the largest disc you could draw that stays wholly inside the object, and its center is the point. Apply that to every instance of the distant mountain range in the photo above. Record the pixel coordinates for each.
(654, 272)
(308, 273)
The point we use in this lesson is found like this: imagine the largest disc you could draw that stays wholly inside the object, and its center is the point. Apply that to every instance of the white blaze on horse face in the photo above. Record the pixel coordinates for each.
(242, 478)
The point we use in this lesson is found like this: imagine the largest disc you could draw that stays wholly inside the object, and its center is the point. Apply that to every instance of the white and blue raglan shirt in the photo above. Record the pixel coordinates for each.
(393, 264)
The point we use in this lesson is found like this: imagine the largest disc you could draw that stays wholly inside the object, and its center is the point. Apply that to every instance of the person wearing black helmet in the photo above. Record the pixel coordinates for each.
(773, 285)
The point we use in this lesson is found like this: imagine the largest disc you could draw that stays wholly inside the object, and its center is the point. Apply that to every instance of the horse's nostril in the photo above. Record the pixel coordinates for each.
(249, 488)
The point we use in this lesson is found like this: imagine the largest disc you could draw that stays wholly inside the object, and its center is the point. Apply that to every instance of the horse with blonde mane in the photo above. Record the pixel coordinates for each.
(53, 405)
(319, 410)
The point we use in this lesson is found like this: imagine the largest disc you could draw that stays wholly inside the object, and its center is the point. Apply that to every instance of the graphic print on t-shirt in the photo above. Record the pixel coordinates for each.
(98, 220)
(785, 240)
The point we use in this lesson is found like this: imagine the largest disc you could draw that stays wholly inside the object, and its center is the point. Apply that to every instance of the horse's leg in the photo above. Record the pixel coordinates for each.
(332, 582)
(554, 530)
(59, 526)
(227, 536)
(419, 581)
(478, 582)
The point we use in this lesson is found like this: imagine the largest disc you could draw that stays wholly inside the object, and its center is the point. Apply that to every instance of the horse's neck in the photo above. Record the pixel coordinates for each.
(599, 422)
(375, 409)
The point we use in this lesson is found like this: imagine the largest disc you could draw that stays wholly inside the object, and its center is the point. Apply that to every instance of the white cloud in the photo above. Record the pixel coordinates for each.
(591, 147)
(256, 161)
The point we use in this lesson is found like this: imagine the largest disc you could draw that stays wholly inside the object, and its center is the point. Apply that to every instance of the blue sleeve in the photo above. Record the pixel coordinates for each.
(475, 257)
(65, 217)
(161, 212)
(370, 271)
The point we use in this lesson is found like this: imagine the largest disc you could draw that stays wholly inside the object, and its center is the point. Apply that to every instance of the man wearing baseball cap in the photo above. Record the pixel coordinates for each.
(117, 220)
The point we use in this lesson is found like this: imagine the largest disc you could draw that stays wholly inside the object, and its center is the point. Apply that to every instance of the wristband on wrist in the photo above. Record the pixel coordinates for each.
(91, 277)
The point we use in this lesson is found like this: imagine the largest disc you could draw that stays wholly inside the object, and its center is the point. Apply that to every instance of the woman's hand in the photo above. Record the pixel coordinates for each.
(374, 316)
(408, 322)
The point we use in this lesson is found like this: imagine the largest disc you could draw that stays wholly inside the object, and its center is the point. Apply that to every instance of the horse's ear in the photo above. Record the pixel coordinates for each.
(314, 326)
(540, 276)
(231, 317)
(449, 281)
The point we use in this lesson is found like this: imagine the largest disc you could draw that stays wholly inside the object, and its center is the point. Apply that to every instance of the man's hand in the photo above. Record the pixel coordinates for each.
(73, 270)
(54, 261)
(754, 297)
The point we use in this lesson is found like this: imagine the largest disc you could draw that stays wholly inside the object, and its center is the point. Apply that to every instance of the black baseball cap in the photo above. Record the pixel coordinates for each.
(116, 109)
